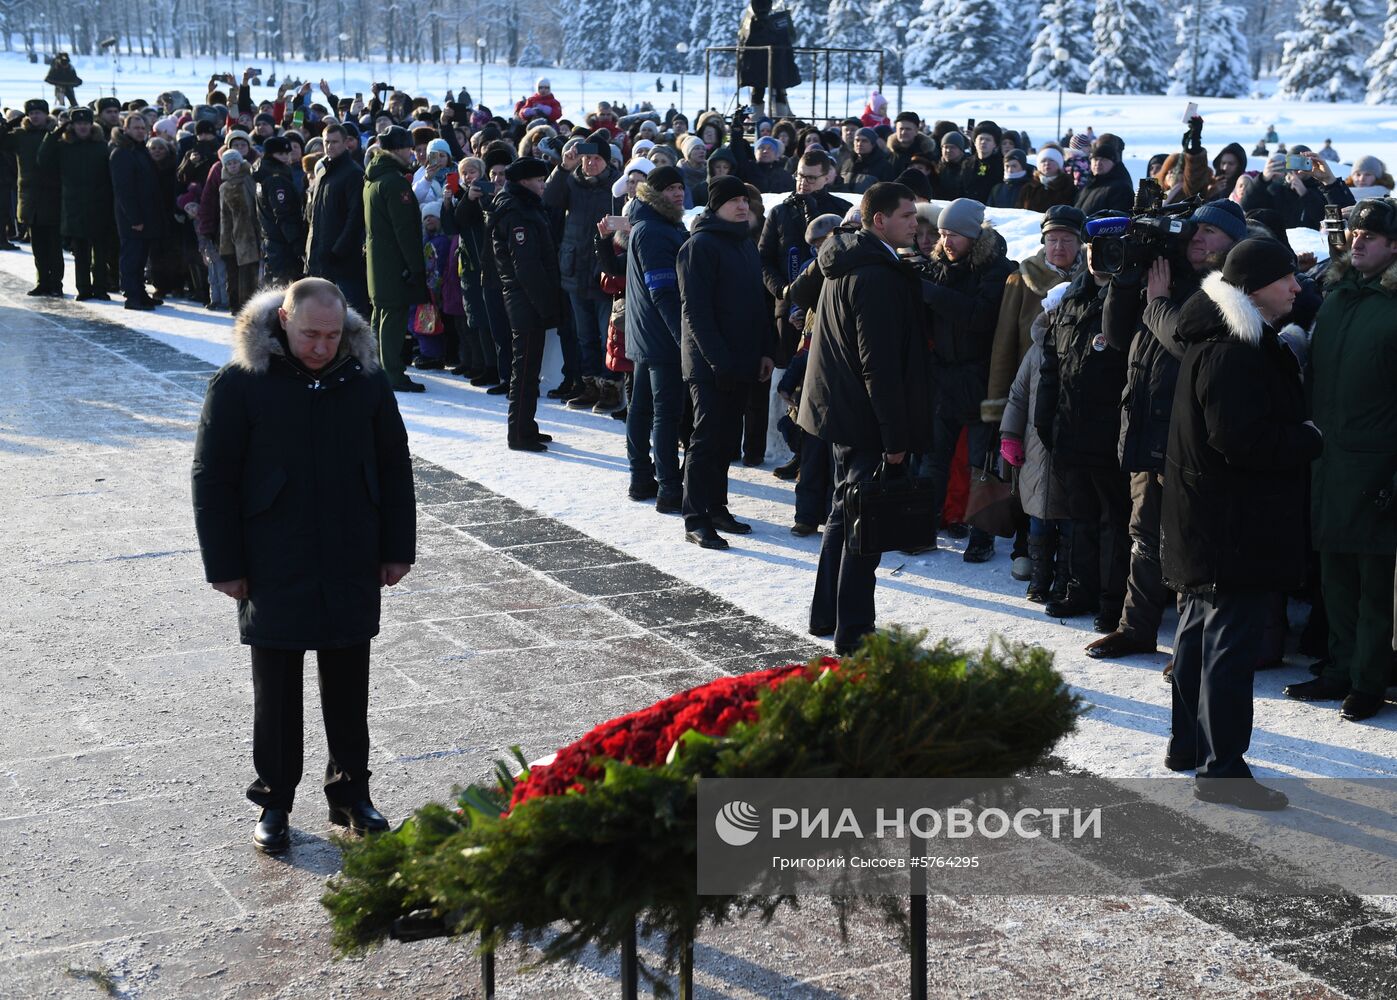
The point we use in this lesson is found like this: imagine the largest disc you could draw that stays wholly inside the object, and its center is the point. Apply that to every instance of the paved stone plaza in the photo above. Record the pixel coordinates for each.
(126, 744)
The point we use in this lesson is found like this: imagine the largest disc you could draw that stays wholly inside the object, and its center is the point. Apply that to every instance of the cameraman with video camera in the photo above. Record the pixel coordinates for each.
(1143, 321)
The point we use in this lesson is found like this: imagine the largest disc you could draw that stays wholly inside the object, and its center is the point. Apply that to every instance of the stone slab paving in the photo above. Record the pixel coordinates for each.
(127, 735)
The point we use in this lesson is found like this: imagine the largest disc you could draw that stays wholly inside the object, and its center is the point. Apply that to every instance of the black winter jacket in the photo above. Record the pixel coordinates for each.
(964, 297)
(1299, 211)
(526, 258)
(136, 188)
(726, 326)
(1080, 381)
(862, 172)
(784, 252)
(866, 384)
(1233, 512)
(280, 214)
(302, 485)
(980, 176)
(586, 200)
(1114, 191)
(335, 246)
(653, 322)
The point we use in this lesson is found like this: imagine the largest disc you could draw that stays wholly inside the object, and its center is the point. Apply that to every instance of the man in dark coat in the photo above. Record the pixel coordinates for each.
(948, 180)
(78, 156)
(869, 165)
(782, 245)
(865, 389)
(140, 215)
(522, 242)
(1110, 186)
(581, 187)
(1078, 417)
(303, 502)
(279, 213)
(335, 244)
(1232, 535)
(760, 29)
(964, 293)
(393, 249)
(1353, 355)
(39, 196)
(1144, 324)
(986, 168)
(908, 140)
(653, 331)
(726, 345)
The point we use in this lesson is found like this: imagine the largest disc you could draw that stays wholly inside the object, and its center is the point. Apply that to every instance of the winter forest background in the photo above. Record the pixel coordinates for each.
(1309, 50)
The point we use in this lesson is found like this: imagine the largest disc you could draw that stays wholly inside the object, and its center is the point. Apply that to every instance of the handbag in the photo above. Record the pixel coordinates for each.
(424, 320)
(889, 512)
(993, 505)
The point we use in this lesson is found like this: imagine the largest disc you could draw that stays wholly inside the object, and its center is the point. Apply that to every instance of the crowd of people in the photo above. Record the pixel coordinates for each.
(1149, 462)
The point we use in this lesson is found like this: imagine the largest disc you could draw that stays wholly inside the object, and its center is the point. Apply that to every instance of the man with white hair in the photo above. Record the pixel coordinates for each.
(304, 508)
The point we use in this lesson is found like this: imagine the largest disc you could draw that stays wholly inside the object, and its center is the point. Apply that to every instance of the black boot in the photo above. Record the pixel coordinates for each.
(1040, 582)
(272, 835)
(1062, 566)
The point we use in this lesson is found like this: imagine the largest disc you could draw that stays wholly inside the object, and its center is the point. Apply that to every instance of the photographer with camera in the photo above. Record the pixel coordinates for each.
(1297, 185)
(1353, 353)
(1143, 321)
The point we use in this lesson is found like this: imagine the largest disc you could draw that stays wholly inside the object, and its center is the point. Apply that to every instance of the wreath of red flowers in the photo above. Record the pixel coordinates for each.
(644, 738)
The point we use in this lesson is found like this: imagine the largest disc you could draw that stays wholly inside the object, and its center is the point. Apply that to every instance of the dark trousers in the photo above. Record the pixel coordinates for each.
(843, 582)
(1358, 597)
(277, 724)
(241, 280)
(815, 487)
(107, 247)
(500, 331)
(90, 272)
(716, 413)
(590, 318)
(390, 327)
(957, 392)
(756, 414)
(523, 384)
(1099, 502)
(355, 288)
(47, 245)
(652, 421)
(1146, 596)
(135, 251)
(1214, 663)
(567, 342)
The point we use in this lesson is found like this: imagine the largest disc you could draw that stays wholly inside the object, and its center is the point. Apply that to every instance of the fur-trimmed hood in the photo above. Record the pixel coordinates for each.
(989, 246)
(921, 143)
(1341, 266)
(1220, 304)
(255, 340)
(1040, 276)
(653, 200)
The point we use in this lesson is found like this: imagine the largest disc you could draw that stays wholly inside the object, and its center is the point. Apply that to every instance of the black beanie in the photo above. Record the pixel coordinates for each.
(526, 167)
(724, 190)
(918, 182)
(663, 177)
(1255, 263)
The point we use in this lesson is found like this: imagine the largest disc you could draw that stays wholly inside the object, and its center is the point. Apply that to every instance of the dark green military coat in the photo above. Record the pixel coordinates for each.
(38, 188)
(393, 236)
(85, 182)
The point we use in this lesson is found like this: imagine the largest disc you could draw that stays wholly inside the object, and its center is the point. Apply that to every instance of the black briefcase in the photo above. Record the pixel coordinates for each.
(892, 511)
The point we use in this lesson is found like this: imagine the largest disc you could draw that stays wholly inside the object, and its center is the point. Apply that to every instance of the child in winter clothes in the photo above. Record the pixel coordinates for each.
(875, 112)
(426, 325)
(239, 242)
(1041, 491)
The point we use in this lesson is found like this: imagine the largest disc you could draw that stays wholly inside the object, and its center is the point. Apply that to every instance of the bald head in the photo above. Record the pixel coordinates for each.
(312, 313)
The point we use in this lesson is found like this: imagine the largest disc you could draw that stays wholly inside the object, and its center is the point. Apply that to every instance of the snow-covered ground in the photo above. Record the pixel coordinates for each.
(1147, 124)
(582, 481)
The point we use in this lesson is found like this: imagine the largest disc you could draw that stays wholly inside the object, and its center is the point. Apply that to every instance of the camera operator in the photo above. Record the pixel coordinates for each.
(1144, 323)
(1298, 195)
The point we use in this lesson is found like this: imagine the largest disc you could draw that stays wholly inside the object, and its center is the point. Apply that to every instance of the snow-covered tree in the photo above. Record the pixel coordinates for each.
(588, 33)
(882, 32)
(1321, 60)
(847, 24)
(808, 18)
(657, 32)
(1214, 59)
(1382, 64)
(622, 53)
(714, 22)
(1066, 25)
(531, 55)
(968, 51)
(1128, 36)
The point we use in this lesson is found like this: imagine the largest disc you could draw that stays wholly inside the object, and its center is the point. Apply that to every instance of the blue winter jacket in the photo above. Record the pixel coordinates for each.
(652, 282)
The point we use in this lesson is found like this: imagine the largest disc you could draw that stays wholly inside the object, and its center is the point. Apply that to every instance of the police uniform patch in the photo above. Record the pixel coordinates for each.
(1098, 343)
(519, 236)
(408, 199)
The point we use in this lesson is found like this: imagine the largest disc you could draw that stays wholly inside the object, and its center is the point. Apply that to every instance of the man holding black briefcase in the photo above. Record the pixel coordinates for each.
(866, 389)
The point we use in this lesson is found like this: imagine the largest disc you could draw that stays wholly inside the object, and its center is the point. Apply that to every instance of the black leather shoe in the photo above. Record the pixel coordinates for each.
(1244, 793)
(640, 492)
(36, 292)
(272, 834)
(788, 472)
(565, 390)
(480, 381)
(143, 304)
(1318, 689)
(706, 537)
(728, 524)
(1359, 706)
(804, 530)
(980, 551)
(527, 446)
(1106, 620)
(1178, 763)
(1119, 644)
(498, 389)
(361, 817)
(543, 438)
(1070, 607)
(669, 505)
